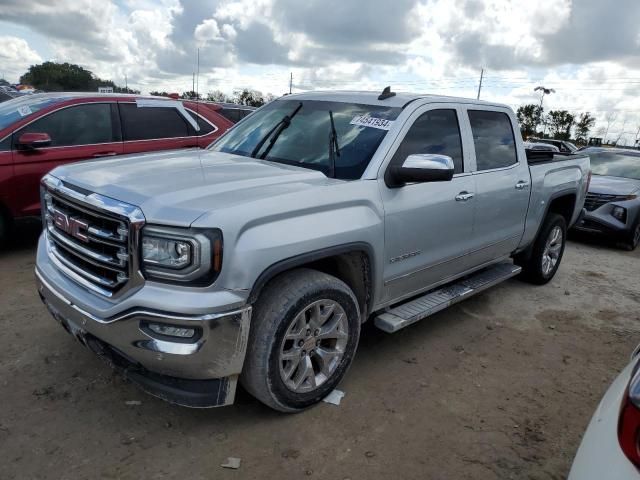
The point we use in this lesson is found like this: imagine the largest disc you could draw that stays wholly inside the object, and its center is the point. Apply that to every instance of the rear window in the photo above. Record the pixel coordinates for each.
(205, 127)
(234, 114)
(493, 139)
(148, 123)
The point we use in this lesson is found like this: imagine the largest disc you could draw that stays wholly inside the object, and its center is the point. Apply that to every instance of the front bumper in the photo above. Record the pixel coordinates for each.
(198, 372)
(602, 224)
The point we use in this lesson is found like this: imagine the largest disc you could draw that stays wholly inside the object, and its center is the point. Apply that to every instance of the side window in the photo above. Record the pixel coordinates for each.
(205, 127)
(436, 131)
(5, 145)
(493, 139)
(80, 125)
(147, 123)
(232, 114)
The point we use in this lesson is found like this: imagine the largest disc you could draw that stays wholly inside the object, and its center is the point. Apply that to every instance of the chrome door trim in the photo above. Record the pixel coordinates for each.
(450, 259)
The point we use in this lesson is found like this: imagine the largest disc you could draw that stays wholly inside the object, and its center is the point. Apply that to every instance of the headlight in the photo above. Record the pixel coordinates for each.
(185, 256)
(166, 252)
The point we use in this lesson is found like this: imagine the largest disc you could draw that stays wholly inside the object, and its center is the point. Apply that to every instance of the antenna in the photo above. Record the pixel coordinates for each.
(480, 84)
(197, 82)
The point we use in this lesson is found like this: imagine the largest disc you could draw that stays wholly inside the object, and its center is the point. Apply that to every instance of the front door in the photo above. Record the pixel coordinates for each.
(428, 226)
(78, 132)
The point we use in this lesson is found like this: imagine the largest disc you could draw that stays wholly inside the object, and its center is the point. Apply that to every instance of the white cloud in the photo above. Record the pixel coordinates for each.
(16, 56)
(585, 49)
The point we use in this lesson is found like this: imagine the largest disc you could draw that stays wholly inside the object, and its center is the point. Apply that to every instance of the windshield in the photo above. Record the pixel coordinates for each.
(616, 164)
(16, 109)
(306, 139)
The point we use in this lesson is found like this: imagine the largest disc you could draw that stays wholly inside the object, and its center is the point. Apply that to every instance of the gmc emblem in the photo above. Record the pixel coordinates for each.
(74, 227)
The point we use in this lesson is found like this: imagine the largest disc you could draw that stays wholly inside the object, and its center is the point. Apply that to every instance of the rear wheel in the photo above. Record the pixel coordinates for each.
(546, 254)
(5, 227)
(304, 334)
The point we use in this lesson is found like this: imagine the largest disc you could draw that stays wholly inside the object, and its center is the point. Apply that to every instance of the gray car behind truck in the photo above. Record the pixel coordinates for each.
(259, 259)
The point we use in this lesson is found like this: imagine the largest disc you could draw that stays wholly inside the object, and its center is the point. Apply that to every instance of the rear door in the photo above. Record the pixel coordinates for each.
(78, 132)
(147, 129)
(502, 181)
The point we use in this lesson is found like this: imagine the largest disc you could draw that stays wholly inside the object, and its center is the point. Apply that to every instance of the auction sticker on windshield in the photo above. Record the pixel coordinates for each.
(373, 122)
(24, 110)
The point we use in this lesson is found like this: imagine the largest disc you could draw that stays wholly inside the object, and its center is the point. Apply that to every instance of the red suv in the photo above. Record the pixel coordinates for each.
(39, 132)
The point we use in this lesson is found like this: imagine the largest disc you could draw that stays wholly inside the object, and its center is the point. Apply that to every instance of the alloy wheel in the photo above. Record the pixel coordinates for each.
(313, 346)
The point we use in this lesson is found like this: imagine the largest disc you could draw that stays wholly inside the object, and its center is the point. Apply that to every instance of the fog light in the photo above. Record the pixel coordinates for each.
(171, 330)
(620, 213)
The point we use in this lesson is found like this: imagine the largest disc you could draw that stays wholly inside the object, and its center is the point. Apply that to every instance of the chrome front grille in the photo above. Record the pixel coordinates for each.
(594, 201)
(91, 238)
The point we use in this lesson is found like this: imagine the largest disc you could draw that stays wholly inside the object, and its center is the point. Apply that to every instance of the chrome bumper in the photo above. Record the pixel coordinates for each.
(198, 372)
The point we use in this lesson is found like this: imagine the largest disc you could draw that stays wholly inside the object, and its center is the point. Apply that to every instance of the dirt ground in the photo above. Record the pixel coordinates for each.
(500, 386)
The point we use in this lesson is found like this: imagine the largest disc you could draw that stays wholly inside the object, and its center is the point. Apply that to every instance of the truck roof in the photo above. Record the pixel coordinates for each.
(401, 99)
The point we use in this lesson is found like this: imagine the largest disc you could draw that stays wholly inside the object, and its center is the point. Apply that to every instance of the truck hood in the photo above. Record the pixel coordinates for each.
(613, 185)
(177, 187)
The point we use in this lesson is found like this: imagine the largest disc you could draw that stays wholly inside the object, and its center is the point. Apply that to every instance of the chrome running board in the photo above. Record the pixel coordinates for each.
(415, 310)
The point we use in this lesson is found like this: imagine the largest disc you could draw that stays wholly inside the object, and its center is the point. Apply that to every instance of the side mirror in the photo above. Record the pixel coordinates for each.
(33, 141)
(423, 167)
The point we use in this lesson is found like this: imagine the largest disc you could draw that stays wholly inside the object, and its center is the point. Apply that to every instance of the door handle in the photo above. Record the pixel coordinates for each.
(104, 154)
(464, 196)
(521, 185)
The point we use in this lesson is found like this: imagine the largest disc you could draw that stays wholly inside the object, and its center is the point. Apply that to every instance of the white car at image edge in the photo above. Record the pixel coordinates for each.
(610, 448)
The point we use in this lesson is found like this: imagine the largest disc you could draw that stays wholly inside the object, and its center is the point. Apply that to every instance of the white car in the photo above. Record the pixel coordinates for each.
(610, 448)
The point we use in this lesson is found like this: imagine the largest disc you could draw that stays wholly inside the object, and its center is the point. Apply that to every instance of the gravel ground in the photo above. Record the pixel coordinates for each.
(500, 386)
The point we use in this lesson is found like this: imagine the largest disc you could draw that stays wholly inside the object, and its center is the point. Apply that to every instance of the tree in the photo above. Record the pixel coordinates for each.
(560, 123)
(56, 77)
(610, 118)
(529, 117)
(156, 93)
(253, 98)
(218, 96)
(583, 126)
(191, 95)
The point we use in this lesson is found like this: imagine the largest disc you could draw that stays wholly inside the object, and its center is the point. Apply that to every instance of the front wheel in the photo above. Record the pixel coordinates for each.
(303, 337)
(633, 239)
(546, 254)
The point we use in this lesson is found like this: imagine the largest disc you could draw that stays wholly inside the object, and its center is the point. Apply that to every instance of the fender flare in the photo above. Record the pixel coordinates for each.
(308, 257)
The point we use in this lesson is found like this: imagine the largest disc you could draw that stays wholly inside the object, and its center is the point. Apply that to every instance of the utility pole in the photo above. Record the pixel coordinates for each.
(480, 84)
(126, 84)
(193, 82)
(290, 83)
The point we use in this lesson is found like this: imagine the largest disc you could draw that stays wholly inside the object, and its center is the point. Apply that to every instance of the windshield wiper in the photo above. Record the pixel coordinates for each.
(334, 148)
(275, 131)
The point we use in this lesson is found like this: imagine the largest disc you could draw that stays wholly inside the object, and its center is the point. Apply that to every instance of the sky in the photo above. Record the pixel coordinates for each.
(587, 50)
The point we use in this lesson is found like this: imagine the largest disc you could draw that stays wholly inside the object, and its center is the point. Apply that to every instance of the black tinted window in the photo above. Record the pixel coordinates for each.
(80, 125)
(205, 127)
(146, 123)
(493, 139)
(5, 145)
(435, 131)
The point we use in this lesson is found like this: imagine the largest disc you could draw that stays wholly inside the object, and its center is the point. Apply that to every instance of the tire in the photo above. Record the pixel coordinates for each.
(281, 348)
(541, 266)
(5, 228)
(633, 240)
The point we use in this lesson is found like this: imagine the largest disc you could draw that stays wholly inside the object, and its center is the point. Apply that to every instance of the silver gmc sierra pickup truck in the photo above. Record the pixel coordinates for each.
(258, 259)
